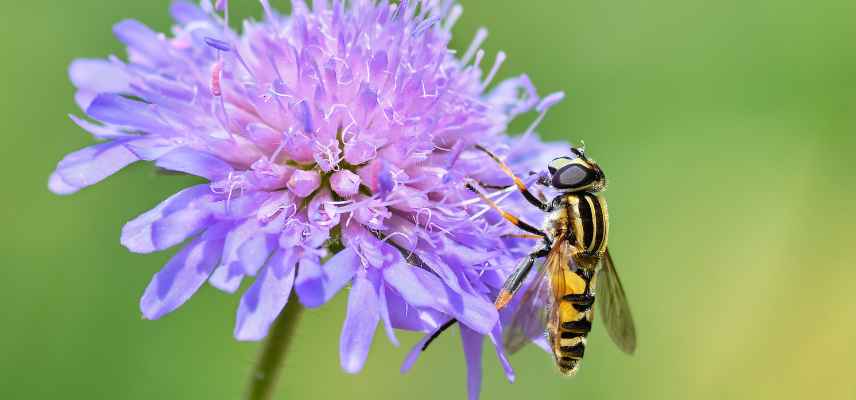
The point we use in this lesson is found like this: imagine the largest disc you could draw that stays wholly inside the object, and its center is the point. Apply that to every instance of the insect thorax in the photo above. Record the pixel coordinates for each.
(583, 218)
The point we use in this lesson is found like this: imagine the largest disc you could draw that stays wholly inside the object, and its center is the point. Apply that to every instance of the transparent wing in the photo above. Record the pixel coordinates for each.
(537, 307)
(530, 318)
(613, 307)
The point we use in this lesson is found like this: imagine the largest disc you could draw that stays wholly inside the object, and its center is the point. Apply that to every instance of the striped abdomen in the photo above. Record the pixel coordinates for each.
(573, 320)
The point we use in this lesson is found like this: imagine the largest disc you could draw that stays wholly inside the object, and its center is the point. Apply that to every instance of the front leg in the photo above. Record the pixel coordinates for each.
(505, 214)
(531, 198)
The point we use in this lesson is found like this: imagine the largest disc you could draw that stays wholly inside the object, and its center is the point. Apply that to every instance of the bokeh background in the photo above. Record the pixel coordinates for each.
(727, 131)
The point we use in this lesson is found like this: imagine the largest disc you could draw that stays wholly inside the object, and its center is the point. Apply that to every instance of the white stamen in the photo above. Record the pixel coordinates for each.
(500, 58)
(481, 35)
(454, 14)
(270, 15)
(478, 60)
(544, 106)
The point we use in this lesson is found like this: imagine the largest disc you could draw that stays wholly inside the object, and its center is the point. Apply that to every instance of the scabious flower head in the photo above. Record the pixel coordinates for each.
(336, 143)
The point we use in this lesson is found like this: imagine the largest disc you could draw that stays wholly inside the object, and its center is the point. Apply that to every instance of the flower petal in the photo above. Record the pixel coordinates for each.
(360, 324)
(265, 299)
(115, 109)
(140, 39)
(496, 338)
(151, 147)
(407, 317)
(194, 162)
(99, 131)
(185, 13)
(416, 351)
(171, 222)
(227, 277)
(316, 285)
(383, 310)
(472, 343)
(181, 277)
(99, 76)
(422, 289)
(89, 166)
(59, 186)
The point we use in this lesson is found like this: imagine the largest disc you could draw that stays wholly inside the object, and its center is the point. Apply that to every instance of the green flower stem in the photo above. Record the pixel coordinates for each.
(266, 372)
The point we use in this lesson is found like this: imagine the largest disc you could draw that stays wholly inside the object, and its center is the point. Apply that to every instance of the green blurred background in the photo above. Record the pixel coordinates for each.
(726, 129)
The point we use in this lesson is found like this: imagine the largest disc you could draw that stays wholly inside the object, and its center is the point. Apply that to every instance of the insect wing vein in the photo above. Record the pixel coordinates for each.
(614, 309)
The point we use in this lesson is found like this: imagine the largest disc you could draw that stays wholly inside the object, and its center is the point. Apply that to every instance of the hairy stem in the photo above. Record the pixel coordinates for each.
(266, 371)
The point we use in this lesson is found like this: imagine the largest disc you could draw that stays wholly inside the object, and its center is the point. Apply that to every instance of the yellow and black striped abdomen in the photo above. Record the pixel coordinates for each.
(573, 320)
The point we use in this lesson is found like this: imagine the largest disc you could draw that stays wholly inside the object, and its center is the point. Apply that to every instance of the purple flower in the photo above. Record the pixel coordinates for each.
(336, 142)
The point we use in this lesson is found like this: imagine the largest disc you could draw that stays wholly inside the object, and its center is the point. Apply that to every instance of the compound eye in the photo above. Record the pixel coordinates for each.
(559, 163)
(573, 176)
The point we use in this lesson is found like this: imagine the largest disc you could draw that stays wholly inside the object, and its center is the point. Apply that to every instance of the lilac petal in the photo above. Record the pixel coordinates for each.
(422, 289)
(255, 251)
(304, 114)
(99, 131)
(151, 147)
(115, 109)
(263, 301)
(541, 342)
(403, 278)
(442, 269)
(194, 162)
(378, 64)
(407, 317)
(496, 338)
(239, 206)
(416, 351)
(383, 310)
(368, 98)
(171, 222)
(181, 277)
(248, 247)
(99, 76)
(472, 343)
(89, 166)
(185, 13)
(140, 38)
(227, 277)
(59, 186)
(83, 98)
(316, 285)
(360, 324)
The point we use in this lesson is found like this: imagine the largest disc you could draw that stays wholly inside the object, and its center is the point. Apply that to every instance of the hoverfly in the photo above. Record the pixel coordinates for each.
(573, 244)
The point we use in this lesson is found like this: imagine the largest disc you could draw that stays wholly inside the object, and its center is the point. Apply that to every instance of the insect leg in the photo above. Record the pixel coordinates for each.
(511, 218)
(523, 236)
(512, 284)
(517, 181)
(448, 324)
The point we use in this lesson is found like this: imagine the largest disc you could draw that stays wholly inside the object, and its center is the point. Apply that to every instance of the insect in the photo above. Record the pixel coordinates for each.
(573, 243)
